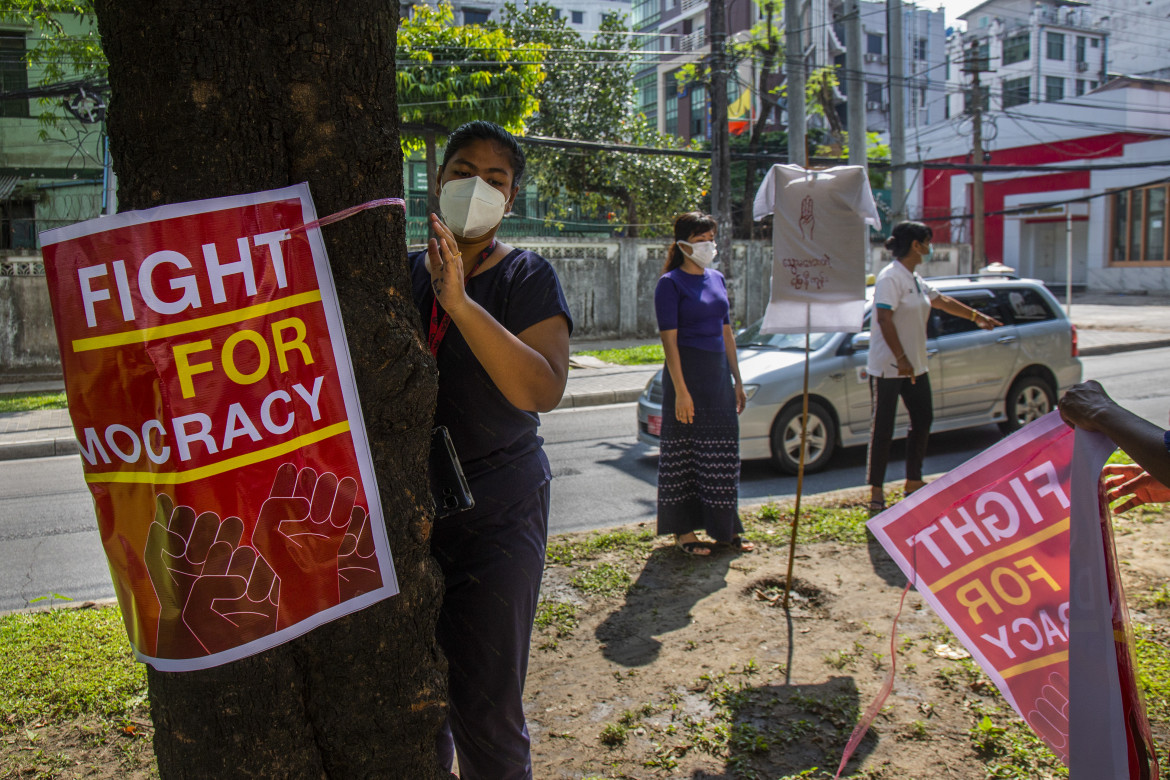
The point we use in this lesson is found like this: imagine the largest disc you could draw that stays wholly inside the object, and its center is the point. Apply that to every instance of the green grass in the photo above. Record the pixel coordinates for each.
(557, 616)
(629, 356)
(604, 579)
(30, 402)
(592, 546)
(64, 663)
(772, 524)
(1152, 648)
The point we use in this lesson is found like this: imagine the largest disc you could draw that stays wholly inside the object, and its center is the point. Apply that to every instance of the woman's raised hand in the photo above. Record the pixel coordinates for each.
(445, 263)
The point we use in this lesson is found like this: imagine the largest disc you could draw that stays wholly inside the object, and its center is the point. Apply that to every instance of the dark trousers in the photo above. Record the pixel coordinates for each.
(492, 565)
(884, 394)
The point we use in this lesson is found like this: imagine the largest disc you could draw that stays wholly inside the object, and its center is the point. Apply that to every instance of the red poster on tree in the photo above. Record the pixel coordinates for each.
(212, 395)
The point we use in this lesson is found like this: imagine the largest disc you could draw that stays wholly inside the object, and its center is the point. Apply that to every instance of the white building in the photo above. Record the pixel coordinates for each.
(1109, 150)
(1027, 52)
(924, 54)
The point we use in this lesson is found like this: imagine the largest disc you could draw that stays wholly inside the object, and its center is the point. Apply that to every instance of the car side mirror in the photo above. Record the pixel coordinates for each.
(860, 341)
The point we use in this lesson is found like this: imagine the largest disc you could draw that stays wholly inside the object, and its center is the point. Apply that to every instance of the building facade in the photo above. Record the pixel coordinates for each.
(1027, 52)
(1106, 194)
(924, 56)
(50, 182)
(584, 16)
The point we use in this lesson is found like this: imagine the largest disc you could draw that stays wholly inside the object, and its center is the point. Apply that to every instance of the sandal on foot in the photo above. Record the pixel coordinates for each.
(876, 508)
(696, 548)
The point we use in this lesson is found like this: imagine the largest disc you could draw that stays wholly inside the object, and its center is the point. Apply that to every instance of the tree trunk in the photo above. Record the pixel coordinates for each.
(220, 97)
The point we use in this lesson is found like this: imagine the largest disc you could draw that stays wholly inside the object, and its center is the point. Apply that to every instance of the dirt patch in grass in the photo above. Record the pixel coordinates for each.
(650, 663)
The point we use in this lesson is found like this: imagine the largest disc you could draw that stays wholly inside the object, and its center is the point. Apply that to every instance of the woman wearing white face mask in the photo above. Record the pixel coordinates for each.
(498, 325)
(896, 363)
(698, 461)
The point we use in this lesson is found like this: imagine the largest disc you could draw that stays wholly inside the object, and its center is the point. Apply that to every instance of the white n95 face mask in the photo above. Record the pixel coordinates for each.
(471, 206)
(702, 252)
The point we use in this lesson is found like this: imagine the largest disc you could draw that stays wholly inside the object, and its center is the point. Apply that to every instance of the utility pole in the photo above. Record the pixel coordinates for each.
(897, 82)
(975, 66)
(794, 76)
(720, 141)
(855, 101)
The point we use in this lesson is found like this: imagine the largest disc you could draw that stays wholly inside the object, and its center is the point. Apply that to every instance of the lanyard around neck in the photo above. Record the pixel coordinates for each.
(439, 325)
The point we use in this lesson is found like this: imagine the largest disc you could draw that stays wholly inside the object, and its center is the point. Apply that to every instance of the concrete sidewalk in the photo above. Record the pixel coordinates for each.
(1106, 323)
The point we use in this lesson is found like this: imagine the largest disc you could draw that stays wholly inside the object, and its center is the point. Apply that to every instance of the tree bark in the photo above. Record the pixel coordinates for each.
(220, 97)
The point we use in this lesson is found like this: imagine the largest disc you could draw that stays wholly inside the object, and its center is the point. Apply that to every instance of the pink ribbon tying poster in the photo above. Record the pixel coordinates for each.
(988, 546)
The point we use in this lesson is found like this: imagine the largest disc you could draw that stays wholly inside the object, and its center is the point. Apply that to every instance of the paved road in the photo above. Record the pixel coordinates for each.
(604, 477)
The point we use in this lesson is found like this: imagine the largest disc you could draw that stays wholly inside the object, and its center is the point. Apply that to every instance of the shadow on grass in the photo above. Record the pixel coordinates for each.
(628, 635)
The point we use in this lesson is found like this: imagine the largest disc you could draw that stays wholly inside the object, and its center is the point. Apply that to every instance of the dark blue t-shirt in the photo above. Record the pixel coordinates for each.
(497, 443)
(695, 305)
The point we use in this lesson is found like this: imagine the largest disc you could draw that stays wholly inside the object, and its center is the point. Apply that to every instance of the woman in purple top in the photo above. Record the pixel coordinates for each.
(498, 325)
(698, 461)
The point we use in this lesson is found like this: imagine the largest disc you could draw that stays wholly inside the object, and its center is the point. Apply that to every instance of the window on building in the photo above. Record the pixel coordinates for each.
(13, 73)
(1055, 46)
(670, 109)
(1081, 48)
(1092, 85)
(873, 94)
(644, 12)
(984, 99)
(1139, 225)
(1095, 43)
(1053, 88)
(920, 48)
(1080, 87)
(646, 94)
(18, 224)
(578, 17)
(873, 44)
(475, 15)
(1016, 92)
(698, 97)
(1017, 48)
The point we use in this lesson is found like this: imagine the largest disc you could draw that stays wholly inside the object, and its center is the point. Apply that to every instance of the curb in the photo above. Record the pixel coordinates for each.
(598, 398)
(1110, 349)
(38, 448)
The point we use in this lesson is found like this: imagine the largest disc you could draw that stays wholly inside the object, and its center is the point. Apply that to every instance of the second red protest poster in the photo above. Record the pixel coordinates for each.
(211, 392)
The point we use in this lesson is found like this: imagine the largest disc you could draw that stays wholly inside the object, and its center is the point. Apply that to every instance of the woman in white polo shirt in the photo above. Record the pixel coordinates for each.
(897, 355)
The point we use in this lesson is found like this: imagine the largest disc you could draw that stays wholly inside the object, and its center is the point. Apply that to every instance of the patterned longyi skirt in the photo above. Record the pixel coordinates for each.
(698, 463)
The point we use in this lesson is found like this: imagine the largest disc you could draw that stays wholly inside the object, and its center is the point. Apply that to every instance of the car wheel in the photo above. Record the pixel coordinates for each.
(1030, 398)
(822, 439)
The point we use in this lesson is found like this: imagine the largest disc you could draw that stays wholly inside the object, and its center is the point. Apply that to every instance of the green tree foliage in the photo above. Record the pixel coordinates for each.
(587, 95)
(449, 74)
(60, 54)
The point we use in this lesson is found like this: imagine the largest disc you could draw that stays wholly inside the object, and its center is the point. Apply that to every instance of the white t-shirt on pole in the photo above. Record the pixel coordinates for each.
(819, 247)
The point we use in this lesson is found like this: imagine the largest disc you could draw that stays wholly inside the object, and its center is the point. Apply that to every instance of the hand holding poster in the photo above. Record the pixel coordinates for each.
(211, 392)
(988, 547)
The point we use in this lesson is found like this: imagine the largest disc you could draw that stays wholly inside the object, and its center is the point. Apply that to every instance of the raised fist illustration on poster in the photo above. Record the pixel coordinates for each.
(300, 532)
(357, 562)
(213, 593)
(1049, 716)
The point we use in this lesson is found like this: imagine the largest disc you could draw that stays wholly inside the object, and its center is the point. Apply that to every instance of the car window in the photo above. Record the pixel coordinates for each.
(943, 324)
(1025, 305)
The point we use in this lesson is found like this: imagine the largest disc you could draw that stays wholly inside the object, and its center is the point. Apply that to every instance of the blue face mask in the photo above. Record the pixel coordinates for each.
(929, 251)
